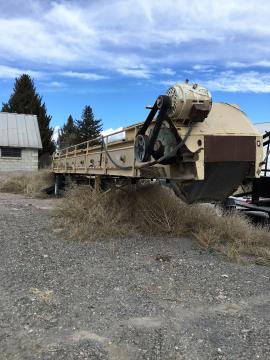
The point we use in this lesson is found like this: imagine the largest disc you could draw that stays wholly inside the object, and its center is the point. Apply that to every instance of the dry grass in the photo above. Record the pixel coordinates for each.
(29, 184)
(155, 210)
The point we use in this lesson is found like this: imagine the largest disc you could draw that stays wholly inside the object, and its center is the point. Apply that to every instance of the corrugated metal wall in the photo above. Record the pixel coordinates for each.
(19, 130)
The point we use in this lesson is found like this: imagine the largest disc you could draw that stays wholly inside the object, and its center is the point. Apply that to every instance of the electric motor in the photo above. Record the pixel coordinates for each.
(189, 102)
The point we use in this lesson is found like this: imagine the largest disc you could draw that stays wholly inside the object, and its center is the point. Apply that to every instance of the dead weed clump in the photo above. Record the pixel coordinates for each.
(88, 214)
(155, 210)
(29, 184)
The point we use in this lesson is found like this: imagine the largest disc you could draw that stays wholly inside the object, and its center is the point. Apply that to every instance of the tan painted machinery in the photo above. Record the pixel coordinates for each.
(203, 150)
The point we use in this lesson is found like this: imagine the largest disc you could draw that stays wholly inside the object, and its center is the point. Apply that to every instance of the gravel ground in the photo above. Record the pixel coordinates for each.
(63, 299)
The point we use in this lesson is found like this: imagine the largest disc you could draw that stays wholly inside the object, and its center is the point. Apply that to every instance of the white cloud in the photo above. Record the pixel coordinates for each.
(203, 68)
(56, 132)
(131, 38)
(245, 82)
(231, 81)
(56, 84)
(168, 83)
(9, 72)
(136, 73)
(167, 71)
(238, 64)
(73, 32)
(115, 137)
(82, 75)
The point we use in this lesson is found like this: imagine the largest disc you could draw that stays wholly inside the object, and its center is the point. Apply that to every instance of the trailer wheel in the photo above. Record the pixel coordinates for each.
(229, 204)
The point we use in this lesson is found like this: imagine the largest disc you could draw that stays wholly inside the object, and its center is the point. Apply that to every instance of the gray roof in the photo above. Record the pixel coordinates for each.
(19, 130)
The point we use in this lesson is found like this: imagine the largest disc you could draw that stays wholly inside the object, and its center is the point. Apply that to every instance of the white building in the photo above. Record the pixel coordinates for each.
(19, 142)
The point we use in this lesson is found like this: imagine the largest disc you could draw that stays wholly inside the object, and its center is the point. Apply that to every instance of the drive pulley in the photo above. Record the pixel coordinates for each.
(142, 148)
(184, 104)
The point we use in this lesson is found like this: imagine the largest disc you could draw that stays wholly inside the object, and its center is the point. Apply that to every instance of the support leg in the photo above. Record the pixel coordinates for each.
(98, 183)
(57, 184)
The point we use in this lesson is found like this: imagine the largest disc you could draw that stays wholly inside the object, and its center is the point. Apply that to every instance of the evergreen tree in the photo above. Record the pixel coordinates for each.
(88, 127)
(67, 134)
(26, 100)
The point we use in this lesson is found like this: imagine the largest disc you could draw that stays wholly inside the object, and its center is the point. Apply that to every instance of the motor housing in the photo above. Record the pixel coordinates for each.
(189, 102)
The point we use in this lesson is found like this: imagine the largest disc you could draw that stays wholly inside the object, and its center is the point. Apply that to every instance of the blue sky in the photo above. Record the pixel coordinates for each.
(119, 55)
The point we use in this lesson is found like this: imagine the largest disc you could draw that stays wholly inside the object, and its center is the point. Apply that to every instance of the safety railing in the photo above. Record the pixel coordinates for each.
(78, 158)
(89, 144)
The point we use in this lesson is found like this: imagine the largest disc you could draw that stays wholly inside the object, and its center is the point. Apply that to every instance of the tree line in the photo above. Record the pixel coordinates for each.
(26, 100)
(75, 132)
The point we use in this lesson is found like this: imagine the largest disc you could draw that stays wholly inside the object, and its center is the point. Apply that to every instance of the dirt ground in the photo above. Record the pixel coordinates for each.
(69, 299)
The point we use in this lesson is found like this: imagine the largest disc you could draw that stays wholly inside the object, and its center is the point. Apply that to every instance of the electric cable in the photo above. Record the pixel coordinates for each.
(111, 159)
